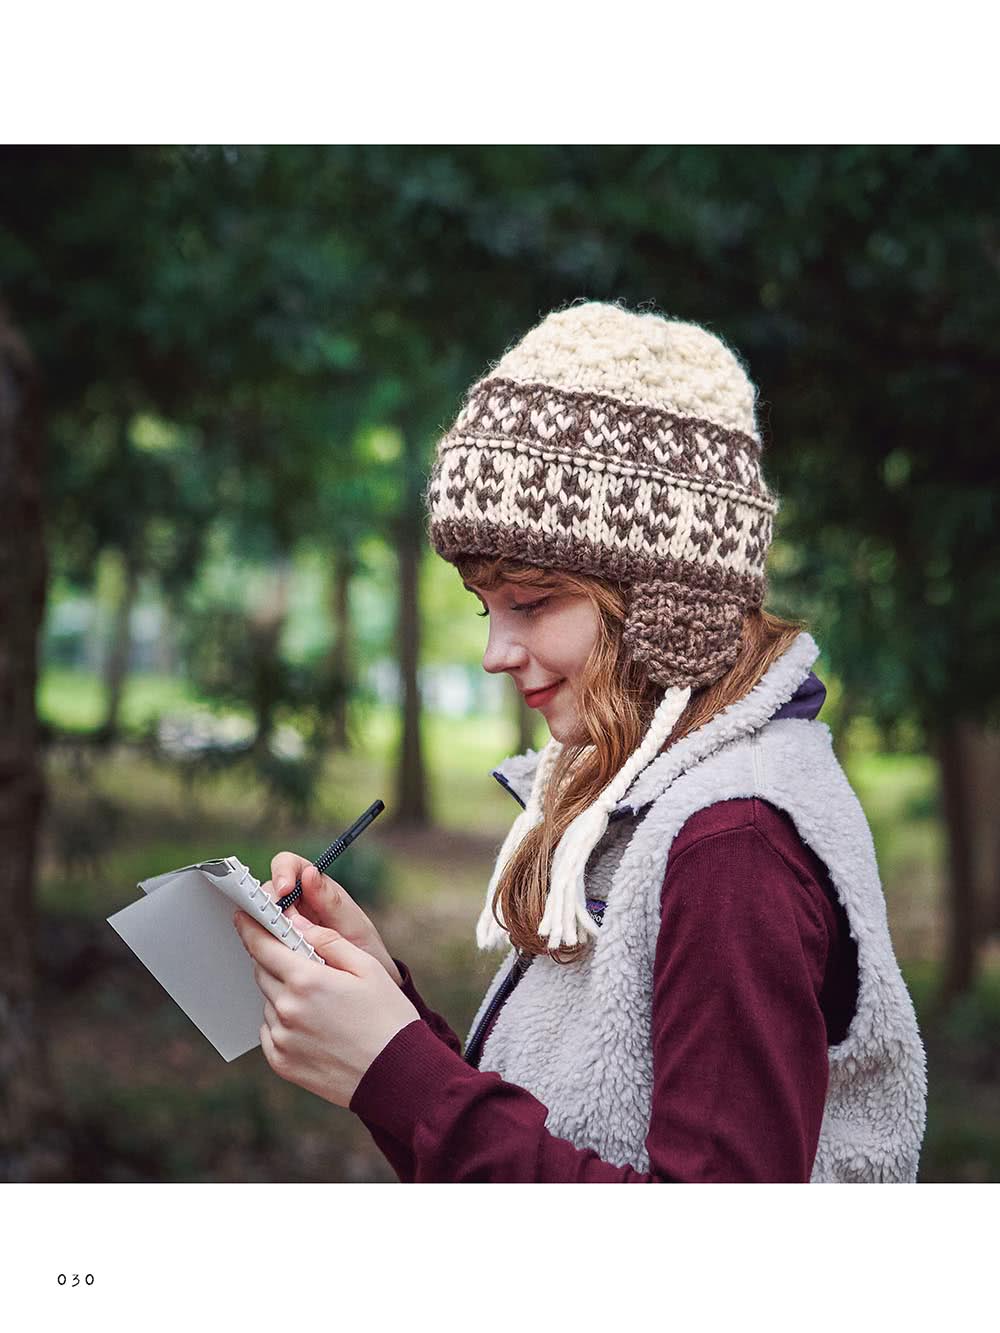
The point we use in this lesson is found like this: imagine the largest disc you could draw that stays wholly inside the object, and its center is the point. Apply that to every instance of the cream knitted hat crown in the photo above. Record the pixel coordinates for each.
(623, 445)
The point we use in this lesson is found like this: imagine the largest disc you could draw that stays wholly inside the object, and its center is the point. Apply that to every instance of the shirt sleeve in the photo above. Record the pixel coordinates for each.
(398, 1153)
(738, 1041)
(435, 1022)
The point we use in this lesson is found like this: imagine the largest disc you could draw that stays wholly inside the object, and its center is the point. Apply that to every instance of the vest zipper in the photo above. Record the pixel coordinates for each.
(595, 906)
(521, 964)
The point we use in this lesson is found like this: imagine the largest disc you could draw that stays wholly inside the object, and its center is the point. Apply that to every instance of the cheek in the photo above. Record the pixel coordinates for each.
(573, 639)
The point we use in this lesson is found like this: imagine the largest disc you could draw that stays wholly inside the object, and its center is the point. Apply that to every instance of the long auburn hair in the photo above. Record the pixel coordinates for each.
(615, 705)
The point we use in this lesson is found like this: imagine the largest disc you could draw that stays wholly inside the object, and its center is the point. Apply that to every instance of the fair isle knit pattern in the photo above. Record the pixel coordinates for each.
(622, 445)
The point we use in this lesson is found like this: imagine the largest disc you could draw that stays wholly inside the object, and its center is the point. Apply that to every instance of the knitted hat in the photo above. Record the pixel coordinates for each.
(622, 445)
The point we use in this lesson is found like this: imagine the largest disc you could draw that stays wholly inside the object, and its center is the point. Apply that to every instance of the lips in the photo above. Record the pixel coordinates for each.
(535, 697)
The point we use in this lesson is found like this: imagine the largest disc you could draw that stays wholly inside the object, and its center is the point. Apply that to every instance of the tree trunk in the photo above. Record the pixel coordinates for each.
(341, 656)
(166, 640)
(957, 793)
(841, 737)
(267, 624)
(31, 1143)
(412, 802)
(982, 747)
(117, 662)
(992, 840)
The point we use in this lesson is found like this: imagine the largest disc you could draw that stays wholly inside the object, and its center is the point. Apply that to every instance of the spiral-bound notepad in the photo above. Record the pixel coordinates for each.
(182, 930)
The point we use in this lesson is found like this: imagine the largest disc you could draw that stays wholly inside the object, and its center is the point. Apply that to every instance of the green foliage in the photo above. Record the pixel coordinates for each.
(231, 336)
(249, 352)
(963, 1141)
(73, 700)
(115, 821)
(166, 1131)
(451, 631)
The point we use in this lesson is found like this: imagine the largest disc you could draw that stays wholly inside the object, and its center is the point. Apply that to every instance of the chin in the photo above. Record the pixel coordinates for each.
(562, 731)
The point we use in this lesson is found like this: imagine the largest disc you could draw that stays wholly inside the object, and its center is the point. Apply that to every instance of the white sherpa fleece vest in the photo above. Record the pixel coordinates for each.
(577, 1035)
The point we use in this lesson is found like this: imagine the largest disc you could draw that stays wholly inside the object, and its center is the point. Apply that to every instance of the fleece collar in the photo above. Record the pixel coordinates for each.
(775, 688)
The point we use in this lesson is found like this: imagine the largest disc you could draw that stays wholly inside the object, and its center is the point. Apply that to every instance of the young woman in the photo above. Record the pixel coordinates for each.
(698, 982)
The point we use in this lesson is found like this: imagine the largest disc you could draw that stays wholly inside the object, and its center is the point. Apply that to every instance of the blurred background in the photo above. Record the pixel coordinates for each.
(222, 375)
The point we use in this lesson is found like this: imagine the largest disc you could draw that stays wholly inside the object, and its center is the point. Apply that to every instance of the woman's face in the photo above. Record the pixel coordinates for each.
(541, 639)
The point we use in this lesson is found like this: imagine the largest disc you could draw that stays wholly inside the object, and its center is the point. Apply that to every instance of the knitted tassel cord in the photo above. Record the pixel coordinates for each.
(566, 920)
(566, 916)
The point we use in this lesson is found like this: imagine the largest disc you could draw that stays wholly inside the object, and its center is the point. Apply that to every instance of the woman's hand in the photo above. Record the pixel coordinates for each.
(323, 1026)
(327, 903)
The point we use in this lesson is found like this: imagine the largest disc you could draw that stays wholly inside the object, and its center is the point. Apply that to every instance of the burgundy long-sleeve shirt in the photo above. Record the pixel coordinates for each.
(755, 975)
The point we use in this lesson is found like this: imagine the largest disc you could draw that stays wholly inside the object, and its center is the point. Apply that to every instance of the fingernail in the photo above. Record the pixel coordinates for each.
(281, 885)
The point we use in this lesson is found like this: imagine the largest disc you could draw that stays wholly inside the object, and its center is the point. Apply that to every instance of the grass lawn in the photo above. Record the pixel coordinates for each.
(74, 700)
(898, 793)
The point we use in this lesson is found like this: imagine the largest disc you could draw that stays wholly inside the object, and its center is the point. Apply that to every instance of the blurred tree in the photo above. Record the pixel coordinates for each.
(139, 489)
(861, 284)
(279, 300)
(425, 222)
(192, 287)
(31, 1146)
(878, 340)
(341, 654)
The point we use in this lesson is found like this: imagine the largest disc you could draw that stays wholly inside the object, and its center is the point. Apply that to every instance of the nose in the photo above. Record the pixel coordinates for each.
(504, 649)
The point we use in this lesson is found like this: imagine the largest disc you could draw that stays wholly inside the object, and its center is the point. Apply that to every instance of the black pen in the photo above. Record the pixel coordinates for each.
(334, 850)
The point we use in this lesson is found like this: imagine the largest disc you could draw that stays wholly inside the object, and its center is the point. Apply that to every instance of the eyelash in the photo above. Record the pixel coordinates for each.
(526, 608)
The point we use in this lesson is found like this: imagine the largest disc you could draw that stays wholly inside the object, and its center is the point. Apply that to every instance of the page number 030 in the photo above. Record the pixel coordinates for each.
(75, 1279)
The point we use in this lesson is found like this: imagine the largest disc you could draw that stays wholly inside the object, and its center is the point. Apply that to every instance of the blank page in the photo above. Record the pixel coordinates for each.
(182, 930)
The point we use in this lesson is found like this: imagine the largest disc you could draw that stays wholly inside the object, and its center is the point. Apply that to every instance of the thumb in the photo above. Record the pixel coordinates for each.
(321, 894)
(332, 947)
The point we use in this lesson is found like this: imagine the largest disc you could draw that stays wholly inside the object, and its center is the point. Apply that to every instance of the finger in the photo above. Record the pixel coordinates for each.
(286, 868)
(299, 906)
(311, 900)
(324, 897)
(267, 1046)
(339, 952)
(268, 888)
(276, 1029)
(263, 948)
(287, 864)
(269, 986)
(315, 895)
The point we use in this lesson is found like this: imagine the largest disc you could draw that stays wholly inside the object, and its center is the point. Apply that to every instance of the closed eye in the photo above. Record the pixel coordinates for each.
(526, 608)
